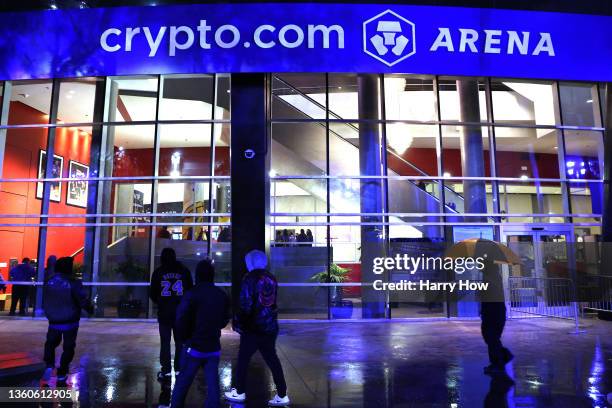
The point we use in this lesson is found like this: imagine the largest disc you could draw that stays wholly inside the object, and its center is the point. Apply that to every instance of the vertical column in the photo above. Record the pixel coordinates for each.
(607, 207)
(97, 136)
(44, 206)
(472, 162)
(472, 165)
(371, 164)
(6, 101)
(249, 163)
(606, 234)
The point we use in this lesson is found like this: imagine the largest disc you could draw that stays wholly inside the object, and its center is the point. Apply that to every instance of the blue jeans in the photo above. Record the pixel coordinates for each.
(189, 368)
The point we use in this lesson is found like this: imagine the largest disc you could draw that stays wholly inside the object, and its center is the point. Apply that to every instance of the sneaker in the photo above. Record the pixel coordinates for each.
(279, 402)
(234, 396)
(47, 374)
(161, 376)
(62, 378)
(493, 369)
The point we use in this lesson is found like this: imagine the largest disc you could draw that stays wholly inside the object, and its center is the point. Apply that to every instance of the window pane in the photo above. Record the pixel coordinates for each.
(298, 148)
(76, 100)
(30, 102)
(530, 197)
(133, 98)
(450, 103)
(584, 160)
(530, 153)
(409, 98)
(187, 97)
(298, 96)
(523, 103)
(577, 105)
(130, 153)
(223, 108)
(343, 96)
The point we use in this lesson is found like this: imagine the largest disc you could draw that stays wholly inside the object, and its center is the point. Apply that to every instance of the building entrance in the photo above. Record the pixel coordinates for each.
(543, 284)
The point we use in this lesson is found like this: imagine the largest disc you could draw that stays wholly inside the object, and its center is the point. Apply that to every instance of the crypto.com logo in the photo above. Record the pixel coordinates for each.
(389, 38)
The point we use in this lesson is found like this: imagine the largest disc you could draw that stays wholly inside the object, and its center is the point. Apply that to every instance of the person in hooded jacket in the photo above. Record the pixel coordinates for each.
(201, 315)
(257, 323)
(63, 299)
(168, 284)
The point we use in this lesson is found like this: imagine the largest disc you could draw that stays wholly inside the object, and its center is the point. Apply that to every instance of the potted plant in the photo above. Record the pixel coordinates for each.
(130, 305)
(340, 308)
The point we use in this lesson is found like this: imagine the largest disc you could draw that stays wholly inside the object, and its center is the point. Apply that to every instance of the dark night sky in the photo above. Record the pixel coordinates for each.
(603, 7)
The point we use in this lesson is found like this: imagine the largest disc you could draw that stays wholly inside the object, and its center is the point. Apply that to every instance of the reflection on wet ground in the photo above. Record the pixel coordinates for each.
(387, 364)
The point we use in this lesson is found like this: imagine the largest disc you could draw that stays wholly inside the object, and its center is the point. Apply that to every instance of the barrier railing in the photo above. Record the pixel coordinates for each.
(546, 297)
(595, 293)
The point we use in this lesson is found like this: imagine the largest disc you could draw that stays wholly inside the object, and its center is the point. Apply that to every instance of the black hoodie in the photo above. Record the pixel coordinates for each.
(168, 284)
(203, 312)
(64, 296)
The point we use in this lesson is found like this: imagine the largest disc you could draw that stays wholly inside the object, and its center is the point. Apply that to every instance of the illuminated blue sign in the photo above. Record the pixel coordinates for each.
(305, 38)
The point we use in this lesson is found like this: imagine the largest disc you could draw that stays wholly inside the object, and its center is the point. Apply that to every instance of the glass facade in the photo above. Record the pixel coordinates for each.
(365, 166)
(142, 163)
(361, 166)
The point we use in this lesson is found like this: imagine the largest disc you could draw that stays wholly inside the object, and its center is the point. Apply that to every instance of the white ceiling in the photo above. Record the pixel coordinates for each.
(76, 106)
(526, 104)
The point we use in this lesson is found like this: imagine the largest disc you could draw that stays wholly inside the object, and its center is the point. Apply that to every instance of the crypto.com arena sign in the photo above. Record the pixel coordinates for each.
(304, 38)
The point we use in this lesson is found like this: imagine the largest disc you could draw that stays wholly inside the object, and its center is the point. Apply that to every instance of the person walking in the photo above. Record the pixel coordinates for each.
(493, 309)
(257, 323)
(168, 284)
(201, 315)
(21, 273)
(63, 299)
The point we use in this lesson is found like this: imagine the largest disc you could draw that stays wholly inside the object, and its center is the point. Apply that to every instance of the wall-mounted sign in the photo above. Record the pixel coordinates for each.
(305, 38)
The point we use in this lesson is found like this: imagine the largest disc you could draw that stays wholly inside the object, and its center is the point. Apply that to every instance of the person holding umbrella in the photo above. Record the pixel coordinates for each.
(492, 301)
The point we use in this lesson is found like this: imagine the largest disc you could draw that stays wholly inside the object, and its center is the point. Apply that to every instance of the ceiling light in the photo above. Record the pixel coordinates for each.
(69, 96)
(524, 177)
(447, 174)
(53, 6)
(272, 173)
(589, 101)
(399, 140)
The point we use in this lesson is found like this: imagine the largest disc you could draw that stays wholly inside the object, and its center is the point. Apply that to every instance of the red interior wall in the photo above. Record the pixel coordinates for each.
(509, 164)
(21, 161)
(195, 161)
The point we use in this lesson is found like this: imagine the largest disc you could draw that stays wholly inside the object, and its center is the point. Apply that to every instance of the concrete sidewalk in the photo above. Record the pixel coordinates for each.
(382, 364)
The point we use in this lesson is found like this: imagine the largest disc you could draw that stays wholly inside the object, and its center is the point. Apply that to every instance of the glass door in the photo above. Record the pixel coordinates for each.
(542, 283)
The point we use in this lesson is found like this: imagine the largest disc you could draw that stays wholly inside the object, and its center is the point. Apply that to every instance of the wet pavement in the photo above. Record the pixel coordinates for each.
(386, 364)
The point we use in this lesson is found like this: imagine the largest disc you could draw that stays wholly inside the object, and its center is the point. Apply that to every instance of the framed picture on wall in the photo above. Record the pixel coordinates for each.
(76, 193)
(56, 187)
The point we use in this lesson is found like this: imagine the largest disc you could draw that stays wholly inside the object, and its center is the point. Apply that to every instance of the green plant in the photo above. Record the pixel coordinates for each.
(336, 274)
